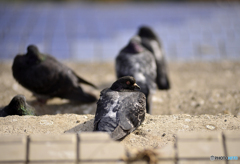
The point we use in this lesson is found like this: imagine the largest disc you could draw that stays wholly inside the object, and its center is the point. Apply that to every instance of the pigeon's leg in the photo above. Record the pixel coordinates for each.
(39, 102)
(149, 104)
(42, 100)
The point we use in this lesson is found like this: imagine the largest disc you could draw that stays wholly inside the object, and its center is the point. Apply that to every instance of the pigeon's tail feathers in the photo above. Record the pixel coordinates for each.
(81, 80)
(163, 83)
(149, 104)
(106, 124)
(88, 98)
(78, 95)
(119, 133)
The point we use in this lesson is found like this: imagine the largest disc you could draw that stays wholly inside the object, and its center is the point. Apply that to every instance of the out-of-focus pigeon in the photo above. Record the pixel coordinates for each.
(135, 60)
(150, 41)
(47, 78)
(17, 106)
(120, 109)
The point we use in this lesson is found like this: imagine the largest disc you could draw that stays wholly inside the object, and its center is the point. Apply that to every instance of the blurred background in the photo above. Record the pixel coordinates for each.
(96, 30)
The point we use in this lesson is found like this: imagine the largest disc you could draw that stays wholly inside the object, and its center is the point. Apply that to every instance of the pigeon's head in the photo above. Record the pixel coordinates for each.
(23, 61)
(32, 50)
(125, 83)
(147, 32)
(19, 106)
(33, 55)
(134, 46)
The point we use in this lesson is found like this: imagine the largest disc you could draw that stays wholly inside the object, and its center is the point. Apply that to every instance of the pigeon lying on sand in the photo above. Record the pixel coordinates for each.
(17, 106)
(47, 78)
(135, 60)
(150, 41)
(120, 109)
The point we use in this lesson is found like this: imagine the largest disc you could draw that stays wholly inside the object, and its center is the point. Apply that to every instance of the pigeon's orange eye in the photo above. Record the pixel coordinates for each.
(128, 82)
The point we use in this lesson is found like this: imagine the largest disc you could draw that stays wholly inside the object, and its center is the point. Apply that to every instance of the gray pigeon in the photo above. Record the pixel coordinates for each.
(120, 109)
(135, 60)
(47, 78)
(17, 106)
(150, 41)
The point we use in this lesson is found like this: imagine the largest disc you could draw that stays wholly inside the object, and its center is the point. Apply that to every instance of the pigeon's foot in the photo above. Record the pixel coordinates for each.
(40, 102)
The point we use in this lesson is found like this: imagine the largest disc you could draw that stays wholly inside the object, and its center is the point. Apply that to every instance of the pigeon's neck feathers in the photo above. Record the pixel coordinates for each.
(34, 54)
(38, 56)
(125, 84)
(115, 87)
(133, 48)
(41, 57)
(119, 88)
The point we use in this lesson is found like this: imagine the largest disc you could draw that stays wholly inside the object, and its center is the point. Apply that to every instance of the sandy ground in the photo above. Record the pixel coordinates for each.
(197, 88)
(203, 97)
(155, 132)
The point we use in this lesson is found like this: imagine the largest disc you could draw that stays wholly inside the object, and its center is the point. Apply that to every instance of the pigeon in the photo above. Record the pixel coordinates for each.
(47, 78)
(17, 106)
(135, 60)
(151, 42)
(120, 109)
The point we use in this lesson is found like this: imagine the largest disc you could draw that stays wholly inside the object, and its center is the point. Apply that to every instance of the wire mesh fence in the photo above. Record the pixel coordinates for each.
(97, 32)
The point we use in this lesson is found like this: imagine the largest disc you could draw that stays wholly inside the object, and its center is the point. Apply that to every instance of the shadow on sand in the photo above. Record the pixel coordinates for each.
(86, 126)
(63, 107)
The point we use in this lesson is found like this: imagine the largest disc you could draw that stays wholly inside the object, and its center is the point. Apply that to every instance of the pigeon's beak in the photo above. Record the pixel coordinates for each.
(136, 86)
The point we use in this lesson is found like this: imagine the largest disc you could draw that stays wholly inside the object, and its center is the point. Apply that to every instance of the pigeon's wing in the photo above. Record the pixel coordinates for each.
(68, 85)
(58, 80)
(148, 93)
(46, 77)
(40, 77)
(132, 112)
(137, 65)
(101, 105)
(162, 75)
(107, 101)
(142, 67)
(53, 77)
(69, 72)
(130, 115)
(146, 43)
(81, 80)
(154, 46)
